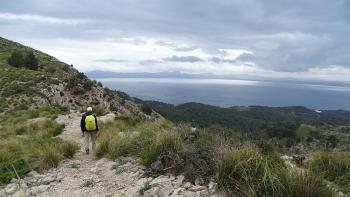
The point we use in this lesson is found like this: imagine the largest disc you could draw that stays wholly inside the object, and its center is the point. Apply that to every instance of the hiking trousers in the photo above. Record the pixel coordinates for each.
(87, 136)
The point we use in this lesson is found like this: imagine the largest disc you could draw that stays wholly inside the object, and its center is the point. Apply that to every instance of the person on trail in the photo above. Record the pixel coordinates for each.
(89, 127)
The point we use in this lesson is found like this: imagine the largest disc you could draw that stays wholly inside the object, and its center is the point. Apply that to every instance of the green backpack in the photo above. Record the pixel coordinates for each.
(90, 123)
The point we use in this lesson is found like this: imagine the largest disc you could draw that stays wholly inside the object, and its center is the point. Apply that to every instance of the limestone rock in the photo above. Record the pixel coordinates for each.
(166, 190)
(178, 181)
(189, 194)
(153, 192)
(38, 189)
(197, 188)
(11, 188)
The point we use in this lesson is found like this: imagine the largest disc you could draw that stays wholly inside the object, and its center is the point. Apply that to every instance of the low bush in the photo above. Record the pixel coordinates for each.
(145, 108)
(164, 143)
(69, 149)
(199, 157)
(333, 166)
(51, 155)
(53, 128)
(122, 146)
(36, 149)
(245, 172)
(8, 163)
(308, 185)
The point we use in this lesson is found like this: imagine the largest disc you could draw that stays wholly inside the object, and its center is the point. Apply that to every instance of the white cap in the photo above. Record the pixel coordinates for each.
(89, 109)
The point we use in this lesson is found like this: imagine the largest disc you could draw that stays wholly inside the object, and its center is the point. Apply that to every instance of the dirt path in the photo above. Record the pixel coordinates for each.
(84, 175)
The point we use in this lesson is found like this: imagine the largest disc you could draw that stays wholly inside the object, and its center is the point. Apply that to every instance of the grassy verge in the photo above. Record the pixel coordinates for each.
(333, 166)
(247, 172)
(253, 168)
(31, 145)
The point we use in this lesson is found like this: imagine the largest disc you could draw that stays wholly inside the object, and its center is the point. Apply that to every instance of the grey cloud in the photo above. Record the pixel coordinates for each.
(218, 60)
(283, 35)
(190, 59)
(149, 62)
(111, 60)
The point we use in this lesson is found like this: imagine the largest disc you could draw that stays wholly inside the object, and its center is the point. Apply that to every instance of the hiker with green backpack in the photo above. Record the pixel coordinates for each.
(89, 127)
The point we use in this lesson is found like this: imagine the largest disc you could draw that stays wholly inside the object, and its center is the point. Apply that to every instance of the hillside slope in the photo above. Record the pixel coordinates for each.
(249, 118)
(53, 83)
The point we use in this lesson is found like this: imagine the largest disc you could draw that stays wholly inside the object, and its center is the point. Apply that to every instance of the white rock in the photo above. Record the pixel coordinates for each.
(38, 189)
(204, 192)
(141, 182)
(189, 194)
(2, 192)
(21, 193)
(13, 180)
(212, 187)
(159, 180)
(178, 191)
(187, 185)
(153, 192)
(196, 188)
(198, 181)
(178, 181)
(59, 178)
(48, 179)
(166, 190)
(11, 188)
(93, 170)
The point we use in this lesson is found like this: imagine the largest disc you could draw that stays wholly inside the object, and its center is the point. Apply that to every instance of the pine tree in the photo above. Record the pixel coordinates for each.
(16, 59)
(31, 61)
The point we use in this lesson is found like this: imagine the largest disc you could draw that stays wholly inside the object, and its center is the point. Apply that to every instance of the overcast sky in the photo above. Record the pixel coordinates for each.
(270, 38)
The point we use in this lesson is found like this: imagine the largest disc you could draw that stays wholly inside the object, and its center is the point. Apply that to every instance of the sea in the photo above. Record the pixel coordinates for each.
(229, 92)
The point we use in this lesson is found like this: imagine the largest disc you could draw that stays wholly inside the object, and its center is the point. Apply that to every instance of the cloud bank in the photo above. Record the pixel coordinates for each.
(301, 39)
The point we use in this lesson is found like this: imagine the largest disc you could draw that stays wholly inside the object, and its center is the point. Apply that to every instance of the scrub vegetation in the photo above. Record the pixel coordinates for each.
(27, 142)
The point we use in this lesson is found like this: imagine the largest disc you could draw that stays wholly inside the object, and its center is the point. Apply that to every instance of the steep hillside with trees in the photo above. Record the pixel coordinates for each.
(30, 78)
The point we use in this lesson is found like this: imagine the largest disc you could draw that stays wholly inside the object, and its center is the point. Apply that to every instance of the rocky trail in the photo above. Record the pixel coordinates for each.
(84, 175)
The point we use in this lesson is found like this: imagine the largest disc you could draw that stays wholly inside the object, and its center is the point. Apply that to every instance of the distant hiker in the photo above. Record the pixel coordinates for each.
(89, 127)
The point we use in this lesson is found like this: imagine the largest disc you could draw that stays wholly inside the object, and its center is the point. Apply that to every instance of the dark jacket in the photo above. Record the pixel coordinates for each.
(82, 122)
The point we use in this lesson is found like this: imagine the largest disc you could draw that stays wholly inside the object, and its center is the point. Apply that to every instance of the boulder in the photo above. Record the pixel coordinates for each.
(11, 188)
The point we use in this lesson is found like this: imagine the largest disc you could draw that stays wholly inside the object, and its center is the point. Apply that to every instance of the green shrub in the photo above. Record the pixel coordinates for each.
(53, 128)
(51, 155)
(245, 172)
(69, 149)
(123, 145)
(164, 143)
(333, 166)
(7, 163)
(199, 157)
(23, 58)
(100, 111)
(103, 146)
(20, 130)
(146, 186)
(88, 183)
(307, 184)
(145, 108)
